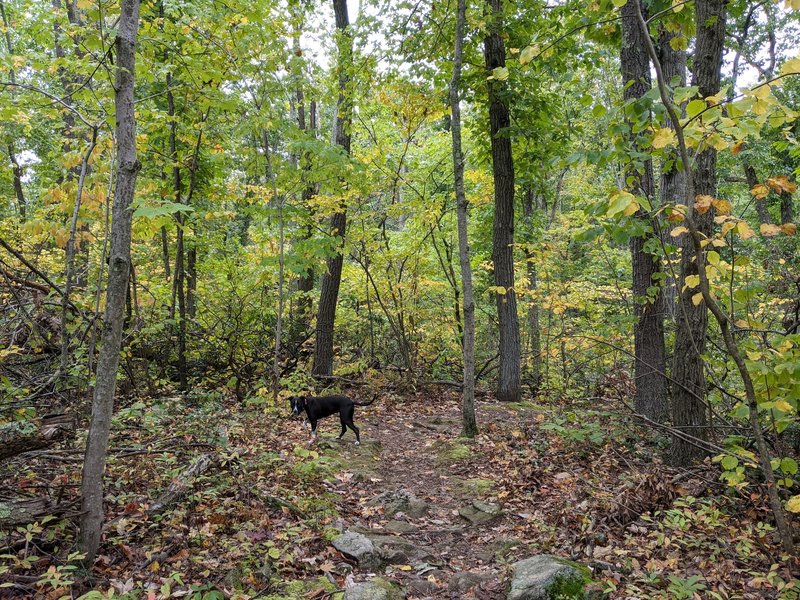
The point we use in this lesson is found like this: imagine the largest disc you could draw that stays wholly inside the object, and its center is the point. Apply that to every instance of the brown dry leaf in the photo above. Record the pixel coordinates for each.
(769, 230)
(702, 203)
(789, 228)
(781, 184)
(737, 147)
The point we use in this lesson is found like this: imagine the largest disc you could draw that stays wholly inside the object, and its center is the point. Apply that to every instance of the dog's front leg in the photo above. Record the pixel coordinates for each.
(313, 425)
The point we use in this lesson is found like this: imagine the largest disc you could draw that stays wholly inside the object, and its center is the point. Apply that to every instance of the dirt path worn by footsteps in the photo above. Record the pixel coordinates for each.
(411, 490)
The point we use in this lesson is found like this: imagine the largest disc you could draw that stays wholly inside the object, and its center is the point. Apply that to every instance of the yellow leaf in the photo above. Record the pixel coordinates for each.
(691, 281)
(784, 406)
(697, 298)
(769, 230)
(713, 258)
(631, 209)
(752, 355)
(745, 231)
(793, 505)
(789, 228)
(718, 243)
(791, 66)
(664, 137)
(723, 206)
(760, 191)
(702, 203)
(678, 231)
(528, 54)
(405, 567)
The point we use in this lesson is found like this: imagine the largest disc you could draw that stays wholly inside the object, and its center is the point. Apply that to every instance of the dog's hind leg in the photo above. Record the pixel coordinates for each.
(352, 426)
(344, 429)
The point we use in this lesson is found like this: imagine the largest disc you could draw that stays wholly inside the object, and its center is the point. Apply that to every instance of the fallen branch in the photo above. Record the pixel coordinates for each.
(22, 436)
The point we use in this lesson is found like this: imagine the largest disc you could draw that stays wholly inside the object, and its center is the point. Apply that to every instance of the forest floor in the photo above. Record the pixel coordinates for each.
(258, 518)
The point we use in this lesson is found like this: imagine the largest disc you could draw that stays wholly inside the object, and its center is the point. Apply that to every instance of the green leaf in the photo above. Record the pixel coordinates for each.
(500, 73)
(695, 107)
(729, 463)
(789, 466)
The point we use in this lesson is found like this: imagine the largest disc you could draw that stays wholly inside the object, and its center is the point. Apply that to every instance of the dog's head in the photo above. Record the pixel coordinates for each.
(298, 405)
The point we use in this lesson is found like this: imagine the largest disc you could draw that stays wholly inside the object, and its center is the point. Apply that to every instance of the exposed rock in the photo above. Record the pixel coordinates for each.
(376, 589)
(359, 547)
(480, 512)
(461, 583)
(547, 578)
(400, 501)
(399, 527)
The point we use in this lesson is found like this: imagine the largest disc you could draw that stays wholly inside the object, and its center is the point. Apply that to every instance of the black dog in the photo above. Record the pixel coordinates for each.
(317, 407)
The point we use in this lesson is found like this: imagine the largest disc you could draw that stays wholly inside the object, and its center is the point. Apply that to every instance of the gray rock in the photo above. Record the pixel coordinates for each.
(461, 583)
(399, 527)
(359, 547)
(547, 578)
(400, 501)
(480, 512)
(377, 589)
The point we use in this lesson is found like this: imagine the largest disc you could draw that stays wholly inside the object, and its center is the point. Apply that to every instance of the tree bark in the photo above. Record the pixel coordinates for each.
(672, 188)
(329, 284)
(119, 268)
(469, 426)
(688, 391)
(648, 332)
(508, 385)
(764, 218)
(528, 209)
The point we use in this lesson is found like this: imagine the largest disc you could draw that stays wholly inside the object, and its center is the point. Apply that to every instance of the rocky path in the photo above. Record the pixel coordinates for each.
(417, 520)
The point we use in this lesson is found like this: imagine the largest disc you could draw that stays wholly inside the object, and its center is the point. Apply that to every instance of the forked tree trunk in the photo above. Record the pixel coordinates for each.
(119, 267)
(469, 426)
(508, 385)
(329, 284)
(650, 399)
(688, 392)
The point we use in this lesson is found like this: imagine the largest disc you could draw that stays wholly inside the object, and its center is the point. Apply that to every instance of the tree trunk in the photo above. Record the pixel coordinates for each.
(650, 398)
(528, 206)
(329, 284)
(787, 209)
(119, 267)
(688, 392)
(16, 169)
(469, 426)
(305, 281)
(508, 385)
(764, 218)
(672, 187)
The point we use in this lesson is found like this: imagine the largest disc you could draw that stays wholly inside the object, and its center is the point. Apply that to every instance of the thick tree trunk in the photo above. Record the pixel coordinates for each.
(329, 284)
(650, 399)
(688, 392)
(119, 267)
(469, 426)
(508, 385)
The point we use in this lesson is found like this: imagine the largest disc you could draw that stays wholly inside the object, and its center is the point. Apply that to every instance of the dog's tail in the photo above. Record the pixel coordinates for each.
(375, 397)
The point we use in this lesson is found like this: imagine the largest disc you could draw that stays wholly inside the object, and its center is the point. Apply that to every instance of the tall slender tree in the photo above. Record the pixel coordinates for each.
(469, 424)
(329, 283)
(119, 268)
(688, 391)
(494, 50)
(648, 331)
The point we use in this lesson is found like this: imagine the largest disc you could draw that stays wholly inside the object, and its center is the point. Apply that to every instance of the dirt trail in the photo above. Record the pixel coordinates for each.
(417, 457)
